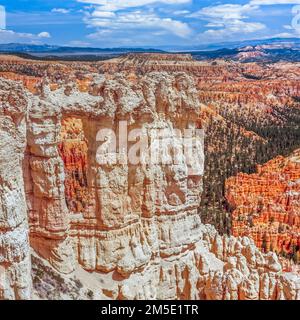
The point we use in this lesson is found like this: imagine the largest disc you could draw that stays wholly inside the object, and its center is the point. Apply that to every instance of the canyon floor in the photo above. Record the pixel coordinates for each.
(71, 228)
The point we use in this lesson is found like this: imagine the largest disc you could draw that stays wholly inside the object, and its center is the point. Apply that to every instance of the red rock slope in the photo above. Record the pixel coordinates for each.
(266, 205)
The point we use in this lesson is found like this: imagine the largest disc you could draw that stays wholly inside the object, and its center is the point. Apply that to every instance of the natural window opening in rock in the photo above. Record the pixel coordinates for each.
(73, 149)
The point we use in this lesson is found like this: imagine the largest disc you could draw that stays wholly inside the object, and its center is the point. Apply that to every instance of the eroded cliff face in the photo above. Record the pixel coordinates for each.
(266, 205)
(15, 262)
(73, 150)
(126, 231)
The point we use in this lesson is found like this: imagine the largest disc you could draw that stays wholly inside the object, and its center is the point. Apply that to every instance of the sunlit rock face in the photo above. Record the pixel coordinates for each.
(125, 230)
(15, 279)
(266, 205)
(73, 150)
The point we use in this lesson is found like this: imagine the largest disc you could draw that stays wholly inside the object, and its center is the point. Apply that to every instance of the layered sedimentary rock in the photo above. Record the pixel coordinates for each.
(134, 227)
(15, 264)
(266, 205)
(74, 151)
(251, 111)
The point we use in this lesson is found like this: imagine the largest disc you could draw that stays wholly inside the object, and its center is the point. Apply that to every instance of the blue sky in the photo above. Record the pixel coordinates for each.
(156, 23)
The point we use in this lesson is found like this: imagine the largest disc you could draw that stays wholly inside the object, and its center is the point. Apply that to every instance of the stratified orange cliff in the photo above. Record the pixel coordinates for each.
(71, 228)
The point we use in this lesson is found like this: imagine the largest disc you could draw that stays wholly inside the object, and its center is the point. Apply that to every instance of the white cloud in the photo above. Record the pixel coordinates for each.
(103, 14)
(273, 2)
(228, 20)
(181, 12)
(44, 35)
(285, 35)
(7, 36)
(109, 5)
(224, 12)
(235, 27)
(60, 10)
(138, 20)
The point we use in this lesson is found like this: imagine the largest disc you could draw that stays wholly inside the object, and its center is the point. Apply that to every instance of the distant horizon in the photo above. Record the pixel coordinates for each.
(213, 46)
